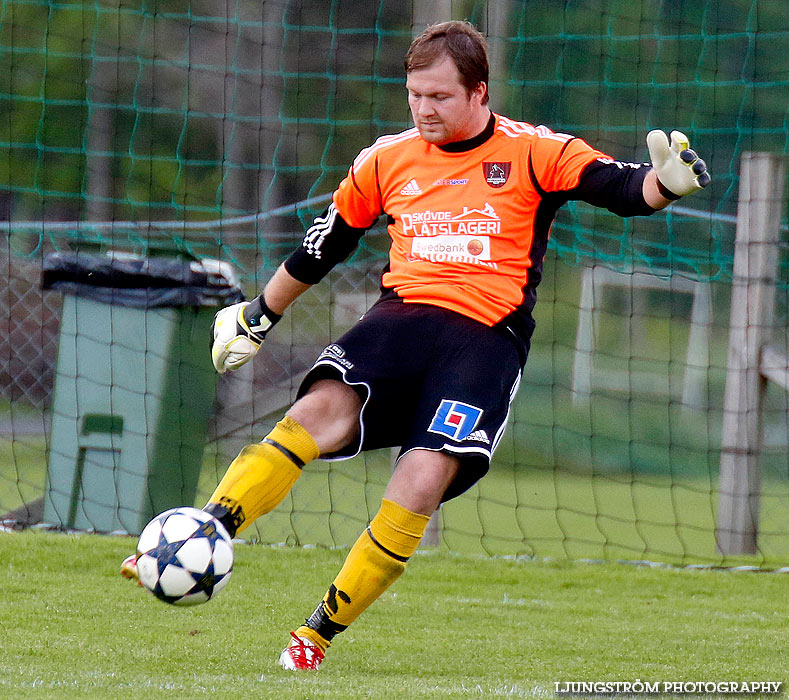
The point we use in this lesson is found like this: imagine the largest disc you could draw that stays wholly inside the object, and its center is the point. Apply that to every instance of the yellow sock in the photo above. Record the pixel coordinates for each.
(263, 474)
(373, 564)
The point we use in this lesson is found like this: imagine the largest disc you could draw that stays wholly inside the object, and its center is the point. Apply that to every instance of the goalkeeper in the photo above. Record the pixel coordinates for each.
(434, 364)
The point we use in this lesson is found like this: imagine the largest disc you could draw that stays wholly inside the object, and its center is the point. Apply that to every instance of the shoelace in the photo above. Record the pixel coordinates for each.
(298, 653)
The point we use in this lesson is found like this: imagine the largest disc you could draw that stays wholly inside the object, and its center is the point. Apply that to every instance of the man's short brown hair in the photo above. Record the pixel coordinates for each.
(462, 43)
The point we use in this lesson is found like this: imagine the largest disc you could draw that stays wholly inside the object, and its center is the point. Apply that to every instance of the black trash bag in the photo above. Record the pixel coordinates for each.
(141, 283)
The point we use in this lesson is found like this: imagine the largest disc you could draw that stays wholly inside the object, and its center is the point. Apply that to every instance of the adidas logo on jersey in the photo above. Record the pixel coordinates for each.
(411, 188)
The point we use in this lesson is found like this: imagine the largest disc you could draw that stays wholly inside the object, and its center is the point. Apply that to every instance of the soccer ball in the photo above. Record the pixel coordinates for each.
(184, 556)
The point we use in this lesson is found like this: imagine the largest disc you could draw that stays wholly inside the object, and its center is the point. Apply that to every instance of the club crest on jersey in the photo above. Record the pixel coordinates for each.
(496, 174)
(455, 419)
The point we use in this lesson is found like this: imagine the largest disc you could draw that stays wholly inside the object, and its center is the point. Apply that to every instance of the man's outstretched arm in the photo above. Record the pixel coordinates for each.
(238, 331)
(282, 290)
(636, 189)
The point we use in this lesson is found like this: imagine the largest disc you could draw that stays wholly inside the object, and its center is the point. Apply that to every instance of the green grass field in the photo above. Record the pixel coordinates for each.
(535, 513)
(451, 627)
(534, 510)
(629, 474)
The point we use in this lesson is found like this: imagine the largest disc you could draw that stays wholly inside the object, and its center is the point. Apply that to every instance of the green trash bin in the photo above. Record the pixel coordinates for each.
(134, 386)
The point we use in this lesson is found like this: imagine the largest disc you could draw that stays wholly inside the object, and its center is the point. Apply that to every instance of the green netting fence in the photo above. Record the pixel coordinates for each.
(218, 129)
(190, 112)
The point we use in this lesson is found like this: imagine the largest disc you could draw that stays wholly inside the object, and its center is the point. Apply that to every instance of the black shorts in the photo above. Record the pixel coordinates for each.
(429, 378)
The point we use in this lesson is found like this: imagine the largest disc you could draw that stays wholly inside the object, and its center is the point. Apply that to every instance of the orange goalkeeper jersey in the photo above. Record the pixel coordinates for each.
(469, 229)
(469, 221)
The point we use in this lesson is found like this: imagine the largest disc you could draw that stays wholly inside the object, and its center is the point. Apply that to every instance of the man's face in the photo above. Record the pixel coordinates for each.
(442, 108)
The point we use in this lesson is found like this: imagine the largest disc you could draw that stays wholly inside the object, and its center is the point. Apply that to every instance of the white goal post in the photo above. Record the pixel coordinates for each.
(752, 361)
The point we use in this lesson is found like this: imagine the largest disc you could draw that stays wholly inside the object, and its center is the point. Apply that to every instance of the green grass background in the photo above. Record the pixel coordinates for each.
(534, 512)
(625, 474)
(452, 626)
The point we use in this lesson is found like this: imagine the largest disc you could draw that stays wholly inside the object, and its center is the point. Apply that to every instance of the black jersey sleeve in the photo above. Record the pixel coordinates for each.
(328, 242)
(614, 185)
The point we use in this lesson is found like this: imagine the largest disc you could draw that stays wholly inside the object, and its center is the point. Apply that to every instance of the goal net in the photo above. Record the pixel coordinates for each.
(217, 130)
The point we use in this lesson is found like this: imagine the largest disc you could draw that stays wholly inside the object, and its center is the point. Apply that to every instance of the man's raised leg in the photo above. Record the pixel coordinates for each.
(259, 478)
(379, 556)
(324, 420)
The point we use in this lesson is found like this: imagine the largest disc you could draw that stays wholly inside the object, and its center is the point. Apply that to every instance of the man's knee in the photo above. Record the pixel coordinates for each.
(329, 411)
(421, 479)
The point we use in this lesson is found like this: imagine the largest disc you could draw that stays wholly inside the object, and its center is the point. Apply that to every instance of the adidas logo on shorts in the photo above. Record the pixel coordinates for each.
(479, 436)
(411, 188)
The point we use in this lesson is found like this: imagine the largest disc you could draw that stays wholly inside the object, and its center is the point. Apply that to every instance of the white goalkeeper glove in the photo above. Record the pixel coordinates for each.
(679, 170)
(238, 332)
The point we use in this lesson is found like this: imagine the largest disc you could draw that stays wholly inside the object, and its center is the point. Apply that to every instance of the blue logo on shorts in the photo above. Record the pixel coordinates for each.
(455, 419)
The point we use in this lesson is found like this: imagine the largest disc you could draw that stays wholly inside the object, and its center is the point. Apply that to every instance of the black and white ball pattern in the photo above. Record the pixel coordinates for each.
(184, 556)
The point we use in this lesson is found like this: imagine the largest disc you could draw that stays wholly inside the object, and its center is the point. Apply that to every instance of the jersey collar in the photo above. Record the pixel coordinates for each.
(474, 141)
